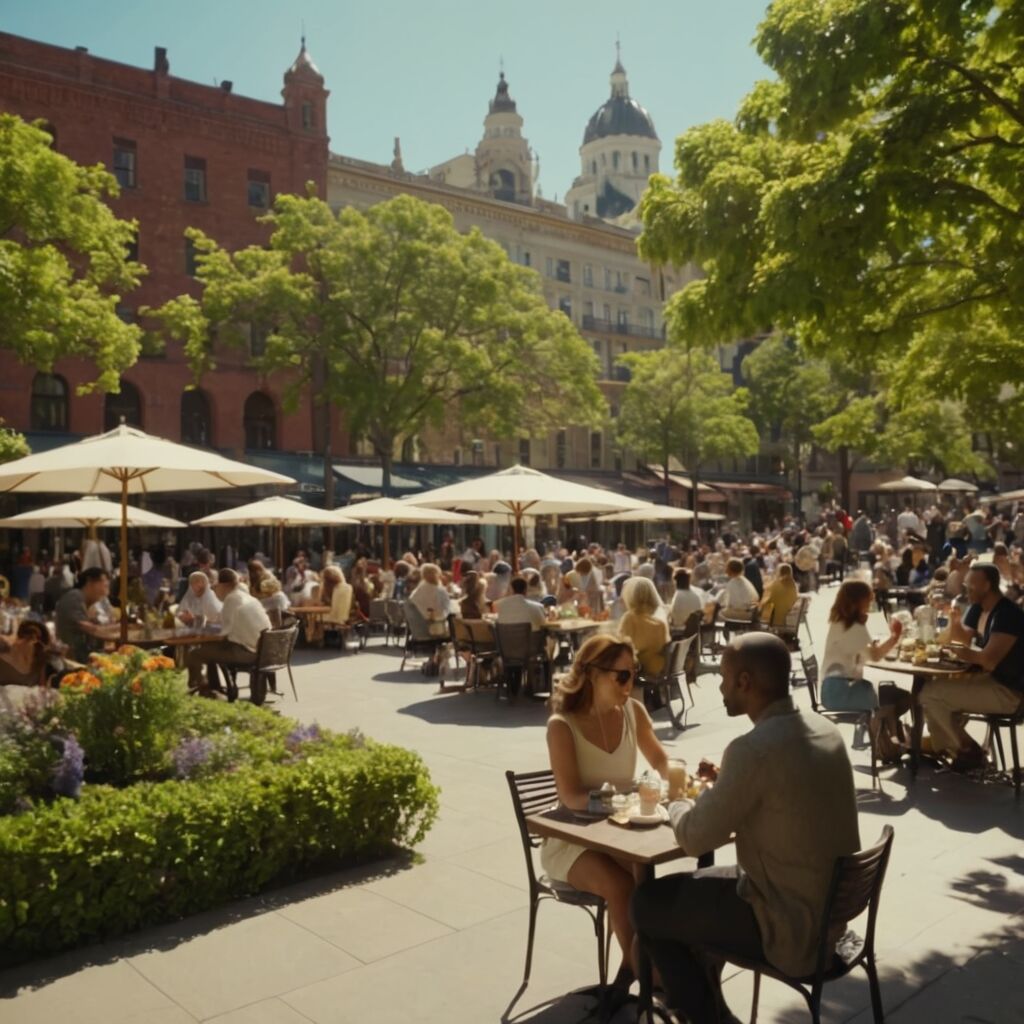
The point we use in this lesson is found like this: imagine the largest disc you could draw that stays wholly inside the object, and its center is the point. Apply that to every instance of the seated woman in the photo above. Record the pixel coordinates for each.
(587, 580)
(257, 573)
(25, 661)
(434, 604)
(273, 599)
(199, 600)
(473, 604)
(644, 623)
(848, 646)
(779, 597)
(594, 733)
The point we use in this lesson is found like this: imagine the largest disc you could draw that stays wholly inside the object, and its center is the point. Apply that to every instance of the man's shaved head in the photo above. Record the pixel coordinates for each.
(765, 659)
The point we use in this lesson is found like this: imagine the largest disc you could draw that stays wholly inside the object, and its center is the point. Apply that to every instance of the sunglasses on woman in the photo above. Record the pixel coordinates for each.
(622, 675)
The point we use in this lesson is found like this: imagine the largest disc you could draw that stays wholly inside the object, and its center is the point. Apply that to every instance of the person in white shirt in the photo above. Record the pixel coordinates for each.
(908, 521)
(739, 596)
(686, 601)
(622, 560)
(243, 618)
(199, 600)
(518, 608)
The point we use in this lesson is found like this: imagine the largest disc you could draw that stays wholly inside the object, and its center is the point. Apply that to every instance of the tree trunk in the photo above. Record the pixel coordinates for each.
(845, 475)
(798, 490)
(668, 483)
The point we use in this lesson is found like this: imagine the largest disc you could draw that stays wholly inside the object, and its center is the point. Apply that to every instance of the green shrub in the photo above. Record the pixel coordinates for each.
(120, 859)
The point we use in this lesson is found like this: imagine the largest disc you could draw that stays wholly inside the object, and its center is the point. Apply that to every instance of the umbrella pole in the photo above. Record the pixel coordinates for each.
(124, 559)
(387, 545)
(515, 539)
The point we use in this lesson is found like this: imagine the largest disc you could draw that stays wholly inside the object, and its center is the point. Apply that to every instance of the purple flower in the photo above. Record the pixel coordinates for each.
(69, 771)
(303, 734)
(190, 755)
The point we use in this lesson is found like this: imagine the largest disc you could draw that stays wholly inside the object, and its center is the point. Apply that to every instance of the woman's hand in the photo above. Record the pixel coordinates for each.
(896, 628)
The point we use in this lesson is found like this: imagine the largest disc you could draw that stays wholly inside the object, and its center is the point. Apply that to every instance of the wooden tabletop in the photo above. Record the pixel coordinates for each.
(309, 609)
(574, 625)
(161, 637)
(910, 669)
(648, 846)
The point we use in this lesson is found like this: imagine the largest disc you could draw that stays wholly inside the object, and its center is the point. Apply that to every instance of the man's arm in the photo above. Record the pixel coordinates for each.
(716, 815)
(997, 648)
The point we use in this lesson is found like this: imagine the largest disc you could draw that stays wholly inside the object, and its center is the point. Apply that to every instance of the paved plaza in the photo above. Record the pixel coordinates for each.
(441, 937)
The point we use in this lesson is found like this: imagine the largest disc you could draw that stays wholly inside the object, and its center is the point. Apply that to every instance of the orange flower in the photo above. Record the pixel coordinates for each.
(158, 661)
(128, 649)
(137, 684)
(80, 680)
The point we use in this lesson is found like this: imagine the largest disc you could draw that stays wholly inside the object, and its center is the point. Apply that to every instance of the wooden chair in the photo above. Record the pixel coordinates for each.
(857, 718)
(532, 792)
(856, 887)
(273, 655)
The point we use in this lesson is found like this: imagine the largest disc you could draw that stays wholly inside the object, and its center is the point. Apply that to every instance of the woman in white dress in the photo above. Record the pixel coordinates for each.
(594, 733)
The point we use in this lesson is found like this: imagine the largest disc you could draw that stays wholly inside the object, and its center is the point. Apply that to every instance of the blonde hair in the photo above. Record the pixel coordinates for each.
(575, 690)
(640, 596)
(270, 585)
(430, 573)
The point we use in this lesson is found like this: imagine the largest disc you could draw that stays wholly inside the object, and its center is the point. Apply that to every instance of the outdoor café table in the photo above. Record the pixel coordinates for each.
(178, 638)
(642, 848)
(312, 617)
(922, 674)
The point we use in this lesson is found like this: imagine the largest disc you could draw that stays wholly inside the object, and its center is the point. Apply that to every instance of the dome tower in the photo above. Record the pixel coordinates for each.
(619, 153)
(504, 163)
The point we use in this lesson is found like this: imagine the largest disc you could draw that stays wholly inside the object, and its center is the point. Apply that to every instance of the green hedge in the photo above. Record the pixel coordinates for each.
(76, 871)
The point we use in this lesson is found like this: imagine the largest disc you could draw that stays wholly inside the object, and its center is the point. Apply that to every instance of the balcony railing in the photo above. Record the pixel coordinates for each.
(591, 323)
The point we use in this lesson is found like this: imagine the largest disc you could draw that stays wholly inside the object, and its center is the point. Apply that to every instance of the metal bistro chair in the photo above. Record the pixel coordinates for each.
(532, 792)
(674, 655)
(861, 719)
(485, 650)
(273, 655)
(856, 887)
(397, 626)
(418, 638)
(378, 621)
(520, 648)
(994, 724)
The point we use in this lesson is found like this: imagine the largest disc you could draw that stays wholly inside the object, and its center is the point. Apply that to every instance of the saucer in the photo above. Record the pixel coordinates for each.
(660, 816)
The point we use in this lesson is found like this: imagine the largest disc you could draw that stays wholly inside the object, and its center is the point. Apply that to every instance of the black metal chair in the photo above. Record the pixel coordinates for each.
(533, 792)
(856, 887)
(994, 740)
(861, 719)
(397, 626)
(674, 657)
(378, 621)
(273, 655)
(520, 648)
(419, 640)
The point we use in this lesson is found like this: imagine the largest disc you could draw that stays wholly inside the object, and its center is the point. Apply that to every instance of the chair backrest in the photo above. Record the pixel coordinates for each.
(395, 613)
(514, 643)
(692, 626)
(462, 634)
(418, 628)
(810, 666)
(274, 649)
(679, 651)
(856, 886)
(531, 792)
(378, 610)
(484, 639)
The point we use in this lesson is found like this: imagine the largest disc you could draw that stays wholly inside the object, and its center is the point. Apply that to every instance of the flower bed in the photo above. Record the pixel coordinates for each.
(124, 803)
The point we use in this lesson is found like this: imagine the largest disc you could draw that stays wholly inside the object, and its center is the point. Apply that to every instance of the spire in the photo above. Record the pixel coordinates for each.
(502, 102)
(303, 66)
(620, 85)
(396, 163)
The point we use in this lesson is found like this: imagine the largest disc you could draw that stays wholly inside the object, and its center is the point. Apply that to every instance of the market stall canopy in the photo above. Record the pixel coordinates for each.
(907, 485)
(89, 512)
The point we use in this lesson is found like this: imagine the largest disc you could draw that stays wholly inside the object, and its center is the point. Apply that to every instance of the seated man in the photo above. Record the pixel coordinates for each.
(738, 597)
(75, 616)
(242, 619)
(687, 600)
(518, 608)
(785, 790)
(998, 626)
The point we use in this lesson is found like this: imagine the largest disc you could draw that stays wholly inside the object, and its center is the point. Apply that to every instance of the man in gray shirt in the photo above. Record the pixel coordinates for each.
(74, 627)
(785, 791)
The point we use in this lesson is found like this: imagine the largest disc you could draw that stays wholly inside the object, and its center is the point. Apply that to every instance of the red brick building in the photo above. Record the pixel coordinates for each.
(186, 155)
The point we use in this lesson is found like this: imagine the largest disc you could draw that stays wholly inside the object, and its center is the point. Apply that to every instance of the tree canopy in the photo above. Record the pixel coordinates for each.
(395, 317)
(12, 444)
(680, 402)
(867, 201)
(63, 259)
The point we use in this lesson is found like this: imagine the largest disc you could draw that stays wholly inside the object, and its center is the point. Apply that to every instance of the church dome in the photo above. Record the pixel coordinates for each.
(620, 114)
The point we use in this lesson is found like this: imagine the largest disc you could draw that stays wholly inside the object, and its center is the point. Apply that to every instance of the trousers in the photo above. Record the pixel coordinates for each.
(217, 652)
(677, 918)
(944, 701)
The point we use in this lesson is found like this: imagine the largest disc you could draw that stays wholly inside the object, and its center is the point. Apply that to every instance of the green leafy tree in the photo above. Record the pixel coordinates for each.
(63, 259)
(679, 402)
(395, 317)
(12, 444)
(866, 201)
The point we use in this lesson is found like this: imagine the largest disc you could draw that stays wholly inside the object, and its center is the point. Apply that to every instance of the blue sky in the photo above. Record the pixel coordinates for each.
(425, 70)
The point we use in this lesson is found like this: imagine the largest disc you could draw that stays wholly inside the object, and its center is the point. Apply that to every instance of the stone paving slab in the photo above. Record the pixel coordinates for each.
(441, 937)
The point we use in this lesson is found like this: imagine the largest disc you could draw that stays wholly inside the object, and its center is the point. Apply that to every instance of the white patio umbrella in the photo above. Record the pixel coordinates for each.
(657, 514)
(90, 513)
(129, 461)
(395, 511)
(955, 486)
(907, 485)
(1005, 496)
(520, 490)
(277, 511)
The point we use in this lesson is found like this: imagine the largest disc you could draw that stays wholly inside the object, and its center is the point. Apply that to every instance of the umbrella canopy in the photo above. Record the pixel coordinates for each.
(656, 514)
(520, 490)
(123, 461)
(89, 512)
(955, 486)
(274, 511)
(907, 485)
(1005, 496)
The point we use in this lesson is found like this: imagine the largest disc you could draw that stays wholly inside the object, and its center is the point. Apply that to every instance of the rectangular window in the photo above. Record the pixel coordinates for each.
(526, 259)
(307, 116)
(588, 275)
(565, 305)
(257, 340)
(562, 271)
(561, 449)
(623, 319)
(190, 257)
(124, 162)
(607, 280)
(259, 189)
(131, 250)
(588, 309)
(596, 447)
(524, 451)
(195, 179)
(643, 286)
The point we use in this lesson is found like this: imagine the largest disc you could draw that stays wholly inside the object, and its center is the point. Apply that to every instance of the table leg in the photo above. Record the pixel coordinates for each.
(916, 723)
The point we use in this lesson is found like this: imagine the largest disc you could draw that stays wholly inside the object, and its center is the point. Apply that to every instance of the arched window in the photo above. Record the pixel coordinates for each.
(647, 161)
(615, 159)
(636, 162)
(49, 402)
(196, 423)
(260, 422)
(503, 185)
(126, 405)
(409, 449)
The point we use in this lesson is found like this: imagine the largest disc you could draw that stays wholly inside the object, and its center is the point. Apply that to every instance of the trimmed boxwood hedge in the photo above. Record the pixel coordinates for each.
(77, 871)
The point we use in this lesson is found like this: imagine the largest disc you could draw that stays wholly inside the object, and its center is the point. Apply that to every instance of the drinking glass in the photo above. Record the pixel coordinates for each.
(199, 621)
